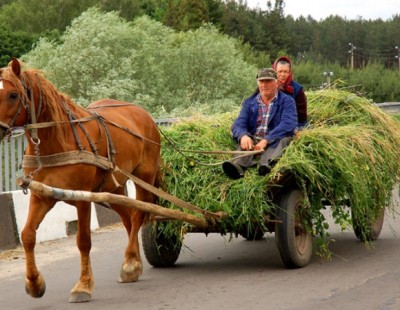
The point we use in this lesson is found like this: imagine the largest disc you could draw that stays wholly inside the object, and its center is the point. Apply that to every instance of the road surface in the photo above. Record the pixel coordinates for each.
(215, 273)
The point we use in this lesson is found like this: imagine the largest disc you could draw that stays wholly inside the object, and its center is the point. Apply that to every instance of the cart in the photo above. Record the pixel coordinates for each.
(291, 225)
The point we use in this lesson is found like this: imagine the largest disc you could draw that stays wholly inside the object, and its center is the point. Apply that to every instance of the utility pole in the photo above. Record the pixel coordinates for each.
(328, 75)
(352, 48)
(398, 55)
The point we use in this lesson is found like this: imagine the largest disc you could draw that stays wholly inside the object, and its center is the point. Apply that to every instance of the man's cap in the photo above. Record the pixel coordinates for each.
(267, 74)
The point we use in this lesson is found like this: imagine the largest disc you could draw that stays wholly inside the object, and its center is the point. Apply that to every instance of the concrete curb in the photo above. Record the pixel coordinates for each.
(60, 222)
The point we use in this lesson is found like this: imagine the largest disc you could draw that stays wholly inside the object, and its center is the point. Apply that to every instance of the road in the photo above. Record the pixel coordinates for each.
(390, 107)
(215, 273)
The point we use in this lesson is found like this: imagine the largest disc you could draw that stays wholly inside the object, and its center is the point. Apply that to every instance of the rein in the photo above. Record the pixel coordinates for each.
(22, 103)
(182, 151)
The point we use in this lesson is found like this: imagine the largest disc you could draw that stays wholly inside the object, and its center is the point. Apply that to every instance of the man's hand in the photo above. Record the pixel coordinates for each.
(246, 143)
(261, 145)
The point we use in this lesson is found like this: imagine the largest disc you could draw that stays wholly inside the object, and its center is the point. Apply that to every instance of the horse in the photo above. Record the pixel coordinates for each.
(71, 147)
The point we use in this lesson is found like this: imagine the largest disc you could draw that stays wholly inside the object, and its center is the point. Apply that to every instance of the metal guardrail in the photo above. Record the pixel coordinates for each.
(11, 156)
(389, 107)
(12, 151)
(166, 121)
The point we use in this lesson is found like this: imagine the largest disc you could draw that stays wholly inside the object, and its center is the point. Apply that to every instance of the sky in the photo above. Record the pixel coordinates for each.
(349, 9)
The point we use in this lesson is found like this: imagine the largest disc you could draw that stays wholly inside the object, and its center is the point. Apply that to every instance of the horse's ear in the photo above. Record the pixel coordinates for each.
(16, 66)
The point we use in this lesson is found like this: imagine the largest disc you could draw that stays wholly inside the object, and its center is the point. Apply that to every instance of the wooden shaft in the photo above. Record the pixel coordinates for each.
(71, 195)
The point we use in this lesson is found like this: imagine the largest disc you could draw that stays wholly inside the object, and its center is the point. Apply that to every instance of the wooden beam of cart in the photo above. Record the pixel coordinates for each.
(71, 195)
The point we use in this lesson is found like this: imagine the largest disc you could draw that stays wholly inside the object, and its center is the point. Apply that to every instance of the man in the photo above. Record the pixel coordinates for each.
(283, 67)
(266, 122)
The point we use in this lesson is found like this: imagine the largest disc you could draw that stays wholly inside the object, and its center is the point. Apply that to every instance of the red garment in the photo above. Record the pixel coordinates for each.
(287, 85)
(295, 90)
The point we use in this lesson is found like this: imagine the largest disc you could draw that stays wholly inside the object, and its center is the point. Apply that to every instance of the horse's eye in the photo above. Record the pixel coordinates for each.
(13, 96)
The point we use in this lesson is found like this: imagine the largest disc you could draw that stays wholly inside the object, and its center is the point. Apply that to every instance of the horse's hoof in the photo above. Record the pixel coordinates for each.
(79, 297)
(130, 273)
(128, 279)
(35, 291)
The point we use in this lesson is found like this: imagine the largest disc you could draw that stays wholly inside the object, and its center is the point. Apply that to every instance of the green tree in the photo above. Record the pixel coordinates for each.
(13, 44)
(193, 14)
(101, 55)
(89, 63)
(39, 16)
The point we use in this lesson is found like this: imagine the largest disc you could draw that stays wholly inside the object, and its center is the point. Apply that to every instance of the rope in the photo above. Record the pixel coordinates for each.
(172, 143)
(182, 151)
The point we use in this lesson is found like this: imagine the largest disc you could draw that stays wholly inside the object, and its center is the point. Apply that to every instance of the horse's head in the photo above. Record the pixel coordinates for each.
(13, 98)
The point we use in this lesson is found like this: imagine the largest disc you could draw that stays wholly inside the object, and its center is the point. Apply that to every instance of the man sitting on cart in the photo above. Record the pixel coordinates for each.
(266, 121)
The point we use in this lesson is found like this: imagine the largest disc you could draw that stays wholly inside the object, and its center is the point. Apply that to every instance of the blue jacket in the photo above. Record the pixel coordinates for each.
(282, 120)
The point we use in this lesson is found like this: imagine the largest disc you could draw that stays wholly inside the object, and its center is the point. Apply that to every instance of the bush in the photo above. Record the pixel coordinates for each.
(167, 72)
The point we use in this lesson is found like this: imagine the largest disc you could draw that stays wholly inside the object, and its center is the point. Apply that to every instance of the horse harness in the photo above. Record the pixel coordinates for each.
(82, 156)
(79, 156)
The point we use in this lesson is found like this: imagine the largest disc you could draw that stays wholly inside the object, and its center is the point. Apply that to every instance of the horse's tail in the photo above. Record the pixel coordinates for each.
(159, 181)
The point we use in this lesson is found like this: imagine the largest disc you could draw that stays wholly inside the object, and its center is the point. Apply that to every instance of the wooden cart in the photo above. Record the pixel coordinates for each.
(293, 230)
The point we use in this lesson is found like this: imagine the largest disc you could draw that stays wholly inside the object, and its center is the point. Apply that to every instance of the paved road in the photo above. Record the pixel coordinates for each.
(213, 273)
(390, 107)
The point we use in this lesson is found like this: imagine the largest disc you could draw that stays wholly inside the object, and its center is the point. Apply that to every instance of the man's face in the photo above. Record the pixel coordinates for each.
(268, 88)
(283, 71)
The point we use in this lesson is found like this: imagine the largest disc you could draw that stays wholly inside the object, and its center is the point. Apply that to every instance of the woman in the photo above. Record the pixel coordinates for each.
(283, 67)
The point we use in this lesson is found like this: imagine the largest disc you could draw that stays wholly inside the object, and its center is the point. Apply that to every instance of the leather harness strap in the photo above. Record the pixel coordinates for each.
(68, 158)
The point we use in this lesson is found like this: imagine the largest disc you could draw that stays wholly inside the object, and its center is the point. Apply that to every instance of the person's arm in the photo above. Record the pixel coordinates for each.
(240, 125)
(301, 105)
(287, 122)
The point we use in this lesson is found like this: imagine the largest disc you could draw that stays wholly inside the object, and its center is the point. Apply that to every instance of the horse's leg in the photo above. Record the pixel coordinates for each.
(82, 291)
(132, 267)
(132, 219)
(35, 285)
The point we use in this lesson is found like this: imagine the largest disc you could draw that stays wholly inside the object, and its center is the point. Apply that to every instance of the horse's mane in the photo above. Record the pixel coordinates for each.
(49, 101)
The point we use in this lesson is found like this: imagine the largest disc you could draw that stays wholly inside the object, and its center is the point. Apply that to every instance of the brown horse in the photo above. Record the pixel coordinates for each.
(65, 142)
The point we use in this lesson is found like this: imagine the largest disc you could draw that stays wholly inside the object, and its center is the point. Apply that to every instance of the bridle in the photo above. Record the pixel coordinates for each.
(8, 128)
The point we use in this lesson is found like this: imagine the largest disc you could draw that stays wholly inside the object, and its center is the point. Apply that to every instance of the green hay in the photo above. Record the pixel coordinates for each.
(348, 151)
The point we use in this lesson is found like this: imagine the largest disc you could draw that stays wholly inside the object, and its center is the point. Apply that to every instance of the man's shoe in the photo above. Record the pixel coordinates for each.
(232, 170)
(264, 170)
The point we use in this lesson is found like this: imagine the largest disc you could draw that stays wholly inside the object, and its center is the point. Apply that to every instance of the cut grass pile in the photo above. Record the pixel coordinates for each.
(349, 151)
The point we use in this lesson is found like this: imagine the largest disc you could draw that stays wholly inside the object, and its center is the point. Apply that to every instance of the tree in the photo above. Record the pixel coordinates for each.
(193, 14)
(102, 55)
(39, 16)
(13, 44)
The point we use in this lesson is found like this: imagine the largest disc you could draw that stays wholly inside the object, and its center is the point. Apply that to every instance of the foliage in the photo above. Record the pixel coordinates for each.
(90, 63)
(373, 81)
(267, 31)
(13, 43)
(38, 16)
(264, 34)
(102, 55)
(348, 151)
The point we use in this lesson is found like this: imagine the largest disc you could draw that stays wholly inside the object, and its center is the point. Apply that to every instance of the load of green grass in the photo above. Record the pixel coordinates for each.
(349, 151)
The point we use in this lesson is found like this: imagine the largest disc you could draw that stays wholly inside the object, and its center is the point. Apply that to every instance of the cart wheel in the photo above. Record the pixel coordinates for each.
(293, 236)
(371, 232)
(159, 250)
